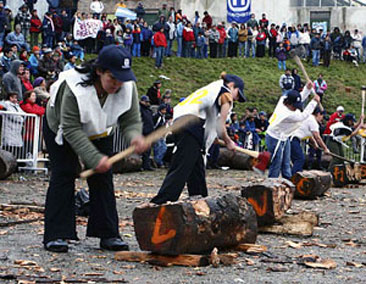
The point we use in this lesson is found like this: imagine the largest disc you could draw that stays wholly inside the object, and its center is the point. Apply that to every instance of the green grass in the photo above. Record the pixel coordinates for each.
(260, 75)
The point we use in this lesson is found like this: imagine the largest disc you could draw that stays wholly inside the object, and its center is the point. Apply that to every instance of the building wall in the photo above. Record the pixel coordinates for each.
(14, 5)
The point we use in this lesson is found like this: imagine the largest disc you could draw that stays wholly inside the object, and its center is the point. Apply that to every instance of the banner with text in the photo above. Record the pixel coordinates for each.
(238, 10)
(87, 28)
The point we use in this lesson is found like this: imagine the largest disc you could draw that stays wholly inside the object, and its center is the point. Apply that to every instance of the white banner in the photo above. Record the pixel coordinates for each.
(87, 28)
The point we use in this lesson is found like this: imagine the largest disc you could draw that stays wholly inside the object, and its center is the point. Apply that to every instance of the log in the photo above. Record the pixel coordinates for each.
(235, 160)
(130, 164)
(8, 164)
(270, 199)
(339, 175)
(346, 173)
(195, 226)
(311, 184)
(304, 216)
(163, 260)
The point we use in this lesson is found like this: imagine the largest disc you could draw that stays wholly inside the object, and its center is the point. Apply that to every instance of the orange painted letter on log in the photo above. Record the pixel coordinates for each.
(157, 238)
(338, 174)
(259, 209)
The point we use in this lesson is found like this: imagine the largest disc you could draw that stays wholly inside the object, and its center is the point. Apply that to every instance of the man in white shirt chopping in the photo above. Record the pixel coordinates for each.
(286, 119)
(309, 129)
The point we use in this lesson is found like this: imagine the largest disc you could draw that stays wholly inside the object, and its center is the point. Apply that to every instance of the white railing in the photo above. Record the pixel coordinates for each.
(21, 135)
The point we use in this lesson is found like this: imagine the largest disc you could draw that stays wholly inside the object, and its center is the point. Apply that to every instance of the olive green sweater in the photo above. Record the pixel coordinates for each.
(66, 113)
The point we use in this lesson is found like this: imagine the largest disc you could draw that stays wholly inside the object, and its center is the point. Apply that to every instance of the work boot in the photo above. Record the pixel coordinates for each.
(114, 244)
(58, 245)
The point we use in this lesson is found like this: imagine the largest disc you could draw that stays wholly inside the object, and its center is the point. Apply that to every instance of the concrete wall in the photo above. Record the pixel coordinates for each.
(41, 6)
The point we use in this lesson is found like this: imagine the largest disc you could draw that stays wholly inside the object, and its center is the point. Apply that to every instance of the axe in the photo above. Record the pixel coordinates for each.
(178, 125)
(262, 158)
(296, 58)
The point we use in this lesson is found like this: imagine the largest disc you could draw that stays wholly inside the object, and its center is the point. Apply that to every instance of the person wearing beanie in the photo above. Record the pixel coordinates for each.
(337, 116)
(210, 106)
(87, 103)
(160, 145)
(34, 60)
(285, 120)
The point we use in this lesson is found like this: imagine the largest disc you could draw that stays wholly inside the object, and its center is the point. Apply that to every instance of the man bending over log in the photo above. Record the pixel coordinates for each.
(211, 104)
(287, 118)
(309, 129)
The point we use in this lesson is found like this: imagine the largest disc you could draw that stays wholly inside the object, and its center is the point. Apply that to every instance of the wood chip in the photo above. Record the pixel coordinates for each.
(25, 262)
(55, 269)
(324, 264)
(294, 245)
(251, 248)
(354, 264)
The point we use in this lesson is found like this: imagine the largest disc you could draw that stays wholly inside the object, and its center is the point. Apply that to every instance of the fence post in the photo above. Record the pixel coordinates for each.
(36, 141)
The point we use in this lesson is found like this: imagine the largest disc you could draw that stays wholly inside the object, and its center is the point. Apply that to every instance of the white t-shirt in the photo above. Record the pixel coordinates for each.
(307, 128)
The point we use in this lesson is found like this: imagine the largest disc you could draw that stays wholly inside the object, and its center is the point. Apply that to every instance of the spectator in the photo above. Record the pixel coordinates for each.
(48, 29)
(207, 19)
(233, 35)
(167, 100)
(315, 46)
(6, 59)
(77, 50)
(160, 146)
(320, 86)
(140, 10)
(66, 24)
(287, 82)
(137, 38)
(200, 45)
(293, 36)
(261, 41)
(252, 22)
(159, 24)
(30, 4)
(304, 41)
(298, 83)
(273, 32)
(327, 51)
(242, 38)
(96, 7)
(25, 80)
(71, 63)
(337, 40)
(154, 93)
(17, 39)
(9, 19)
(264, 21)
(40, 89)
(180, 28)
(197, 18)
(334, 118)
(11, 80)
(57, 21)
(147, 128)
(118, 38)
(47, 66)
(35, 28)
(357, 43)
(146, 40)
(127, 39)
(261, 124)
(188, 40)
(252, 35)
(164, 11)
(252, 137)
(160, 43)
(221, 43)
(281, 57)
(170, 36)
(29, 104)
(213, 39)
(23, 56)
(364, 49)
(3, 25)
(23, 18)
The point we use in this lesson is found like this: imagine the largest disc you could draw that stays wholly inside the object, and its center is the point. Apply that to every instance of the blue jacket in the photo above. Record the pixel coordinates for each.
(13, 38)
(146, 34)
(364, 42)
(3, 21)
(47, 27)
(233, 35)
(315, 43)
(200, 41)
(34, 64)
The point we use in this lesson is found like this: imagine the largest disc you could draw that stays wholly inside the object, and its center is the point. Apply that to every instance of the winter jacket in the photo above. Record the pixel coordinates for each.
(58, 23)
(29, 125)
(160, 39)
(26, 85)
(281, 53)
(66, 23)
(47, 27)
(243, 35)
(222, 35)
(147, 119)
(320, 86)
(188, 34)
(137, 36)
(127, 39)
(154, 95)
(33, 60)
(287, 82)
(24, 19)
(6, 63)
(146, 34)
(11, 81)
(315, 43)
(3, 21)
(140, 11)
(159, 120)
(36, 25)
(14, 38)
(208, 20)
(233, 34)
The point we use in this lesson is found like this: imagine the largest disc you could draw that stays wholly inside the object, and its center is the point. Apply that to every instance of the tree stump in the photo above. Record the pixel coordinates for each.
(346, 173)
(195, 226)
(311, 184)
(270, 199)
(8, 164)
(130, 164)
(235, 160)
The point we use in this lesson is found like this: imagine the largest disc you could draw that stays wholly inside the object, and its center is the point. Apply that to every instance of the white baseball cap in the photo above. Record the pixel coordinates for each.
(340, 108)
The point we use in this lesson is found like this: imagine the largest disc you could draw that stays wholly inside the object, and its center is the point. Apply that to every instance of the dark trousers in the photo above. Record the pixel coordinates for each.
(233, 49)
(187, 167)
(145, 48)
(297, 156)
(60, 200)
(213, 49)
(146, 159)
(272, 47)
(326, 57)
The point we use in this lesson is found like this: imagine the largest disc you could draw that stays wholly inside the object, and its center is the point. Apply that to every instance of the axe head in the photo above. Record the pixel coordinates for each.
(261, 163)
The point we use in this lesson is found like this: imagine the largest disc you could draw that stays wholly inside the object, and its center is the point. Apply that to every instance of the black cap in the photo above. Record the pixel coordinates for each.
(349, 116)
(238, 83)
(294, 99)
(118, 60)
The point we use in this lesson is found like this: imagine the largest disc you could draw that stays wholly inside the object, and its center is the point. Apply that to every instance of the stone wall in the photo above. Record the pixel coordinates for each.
(132, 4)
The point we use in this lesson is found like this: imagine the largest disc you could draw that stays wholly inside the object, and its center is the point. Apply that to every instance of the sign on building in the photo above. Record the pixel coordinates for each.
(238, 10)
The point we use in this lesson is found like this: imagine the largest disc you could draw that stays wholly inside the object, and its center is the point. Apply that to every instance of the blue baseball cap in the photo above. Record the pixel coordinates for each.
(118, 60)
(294, 99)
(238, 83)
(145, 99)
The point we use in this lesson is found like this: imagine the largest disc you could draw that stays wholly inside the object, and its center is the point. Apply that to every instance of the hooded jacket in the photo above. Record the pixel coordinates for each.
(11, 82)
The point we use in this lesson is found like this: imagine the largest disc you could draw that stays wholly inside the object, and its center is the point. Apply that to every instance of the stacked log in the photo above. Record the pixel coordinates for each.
(270, 199)
(311, 184)
(8, 164)
(235, 160)
(195, 226)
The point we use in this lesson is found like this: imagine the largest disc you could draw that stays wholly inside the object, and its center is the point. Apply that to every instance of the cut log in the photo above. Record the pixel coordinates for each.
(311, 184)
(195, 226)
(251, 248)
(130, 164)
(235, 160)
(8, 164)
(304, 216)
(346, 173)
(163, 260)
(270, 199)
(363, 171)
(339, 175)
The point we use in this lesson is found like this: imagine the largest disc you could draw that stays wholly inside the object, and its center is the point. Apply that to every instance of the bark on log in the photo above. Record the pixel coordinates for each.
(235, 160)
(128, 165)
(270, 199)
(311, 184)
(195, 226)
(8, 164)
(346, 173)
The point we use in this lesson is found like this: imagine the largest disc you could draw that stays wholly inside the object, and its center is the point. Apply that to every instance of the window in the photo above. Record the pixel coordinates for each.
(328, 3)
(297, 3)
(312, 3)
(341, 3)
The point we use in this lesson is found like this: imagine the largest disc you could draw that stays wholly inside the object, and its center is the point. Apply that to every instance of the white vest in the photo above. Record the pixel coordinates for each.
(202, 104)
(97, 121)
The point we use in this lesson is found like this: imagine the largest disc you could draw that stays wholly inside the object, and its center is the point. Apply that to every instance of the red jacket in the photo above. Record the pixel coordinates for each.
(36, 25)
(160, 39)
(222, 35)
(29, 124)
(188, 34)
(334, 118)
(27, 85)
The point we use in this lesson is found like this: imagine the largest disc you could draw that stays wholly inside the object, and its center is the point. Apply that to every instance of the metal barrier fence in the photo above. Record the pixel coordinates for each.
(21, 135)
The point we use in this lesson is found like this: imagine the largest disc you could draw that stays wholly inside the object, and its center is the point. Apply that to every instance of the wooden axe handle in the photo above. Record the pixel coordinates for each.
(363, 91)
(339, 157)
(253, 154)
(151, 138)
(307, 78)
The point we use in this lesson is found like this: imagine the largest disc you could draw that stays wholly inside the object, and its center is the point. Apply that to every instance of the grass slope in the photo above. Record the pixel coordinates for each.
(261, 77)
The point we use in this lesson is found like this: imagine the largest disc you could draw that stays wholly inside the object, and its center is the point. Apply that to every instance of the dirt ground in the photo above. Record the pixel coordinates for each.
(340, 236)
